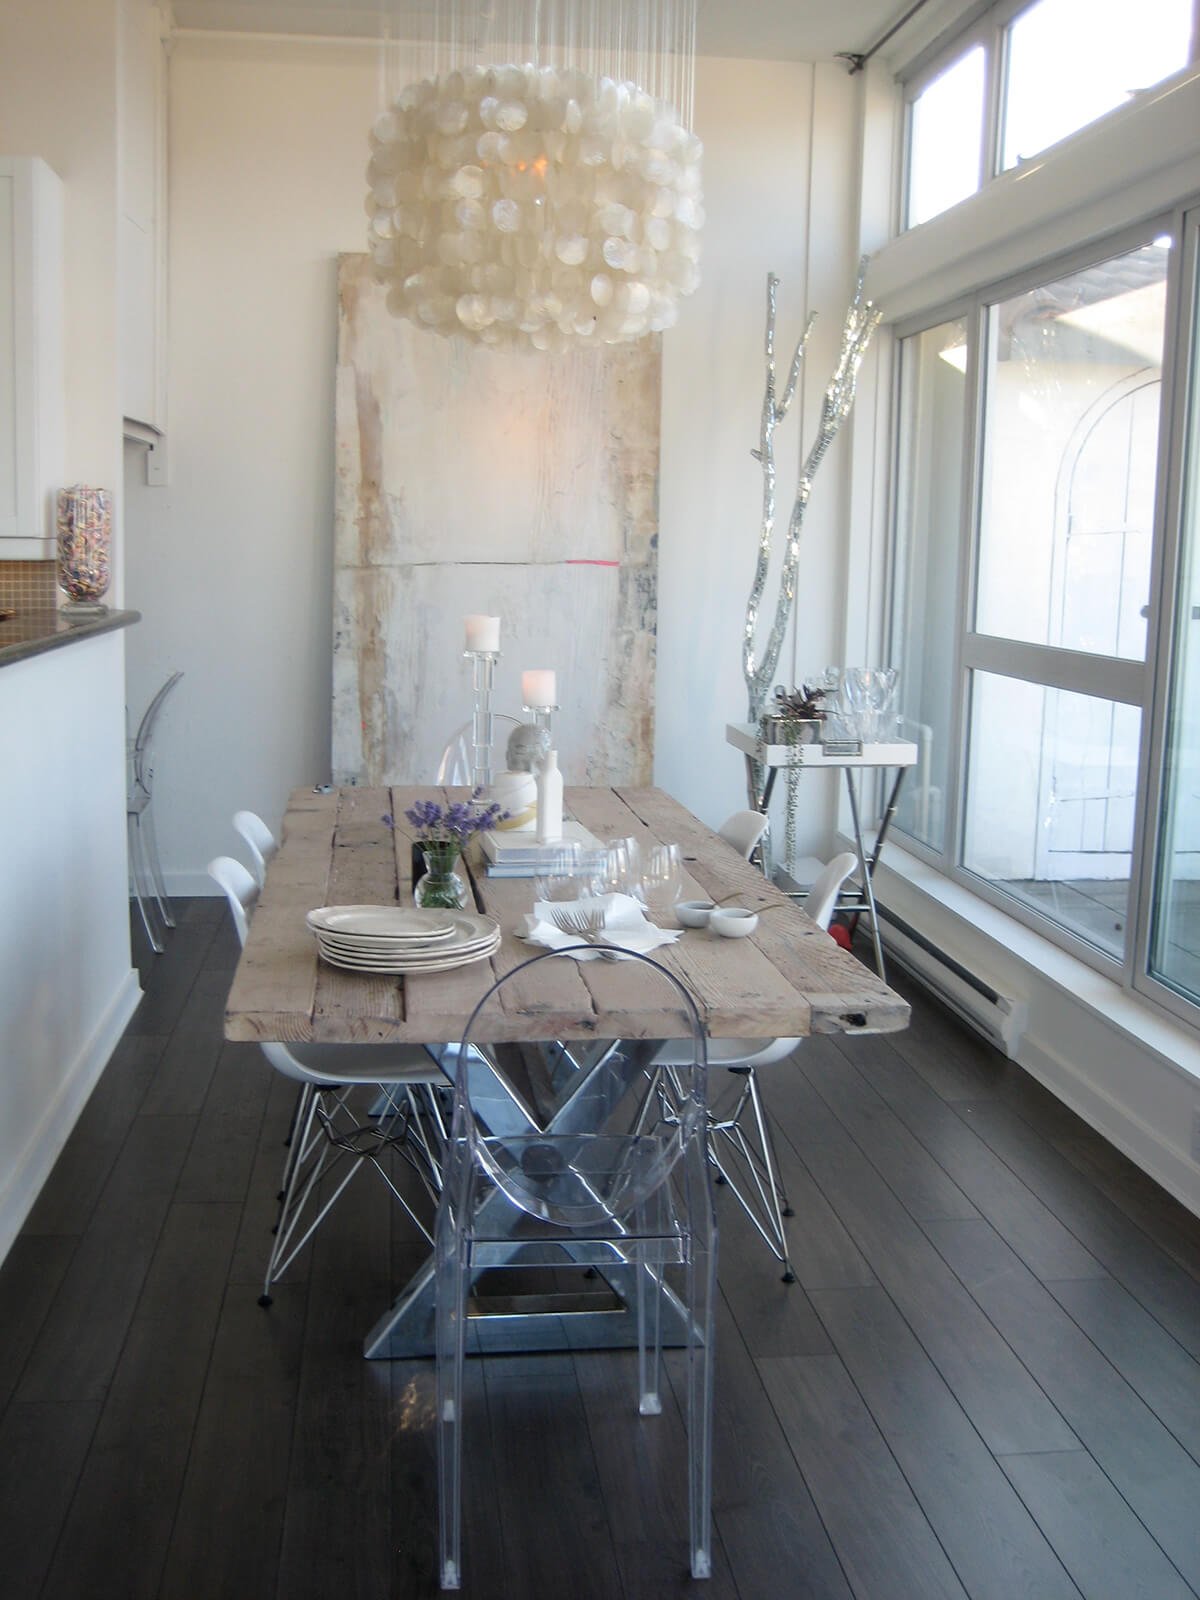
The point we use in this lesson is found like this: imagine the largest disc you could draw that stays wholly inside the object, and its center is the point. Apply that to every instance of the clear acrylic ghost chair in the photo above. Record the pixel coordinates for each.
(743, 830)
(259, 841)
(455, 765)
(740, 1143)
(145, 869)
(334, 1137)
(627, 1191)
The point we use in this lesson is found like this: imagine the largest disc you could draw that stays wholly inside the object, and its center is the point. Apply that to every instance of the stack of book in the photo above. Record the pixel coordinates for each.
(519, 855)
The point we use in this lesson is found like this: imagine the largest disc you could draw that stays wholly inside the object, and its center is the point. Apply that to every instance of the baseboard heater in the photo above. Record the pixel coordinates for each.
(1001, 1018)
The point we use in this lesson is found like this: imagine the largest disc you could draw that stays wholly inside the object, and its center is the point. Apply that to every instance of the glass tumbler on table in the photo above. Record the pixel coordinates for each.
(617, 867)
(662, 878)
(563, 875)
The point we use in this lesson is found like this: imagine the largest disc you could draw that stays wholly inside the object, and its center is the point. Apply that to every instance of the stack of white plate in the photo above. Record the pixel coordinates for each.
(387, 939)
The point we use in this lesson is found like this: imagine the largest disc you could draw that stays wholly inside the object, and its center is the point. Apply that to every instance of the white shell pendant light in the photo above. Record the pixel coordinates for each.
(552, 203)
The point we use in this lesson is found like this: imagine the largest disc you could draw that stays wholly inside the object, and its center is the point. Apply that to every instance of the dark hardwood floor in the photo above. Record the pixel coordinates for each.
(985, 1383)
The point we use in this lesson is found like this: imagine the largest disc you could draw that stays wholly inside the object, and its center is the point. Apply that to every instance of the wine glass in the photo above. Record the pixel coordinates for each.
(883, 693)
(662, 877)
(857, 686)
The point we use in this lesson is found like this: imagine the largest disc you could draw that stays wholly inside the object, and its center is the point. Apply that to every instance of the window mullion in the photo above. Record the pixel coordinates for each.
(978, 362)
(1076, 671)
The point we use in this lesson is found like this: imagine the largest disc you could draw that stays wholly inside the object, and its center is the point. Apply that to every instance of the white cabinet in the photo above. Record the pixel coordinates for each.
(31, 356)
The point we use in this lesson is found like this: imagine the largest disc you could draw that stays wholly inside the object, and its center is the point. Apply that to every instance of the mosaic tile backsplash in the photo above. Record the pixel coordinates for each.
(28, 585)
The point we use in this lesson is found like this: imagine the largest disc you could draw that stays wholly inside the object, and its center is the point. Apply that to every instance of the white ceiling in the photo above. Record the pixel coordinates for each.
(787, 30)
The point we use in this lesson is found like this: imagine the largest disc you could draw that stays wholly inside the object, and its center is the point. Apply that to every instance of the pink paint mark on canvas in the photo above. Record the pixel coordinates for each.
(582, 561)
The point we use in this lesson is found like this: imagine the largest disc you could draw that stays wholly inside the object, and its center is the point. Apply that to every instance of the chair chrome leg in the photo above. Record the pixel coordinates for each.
(150, 838)
(775, 1196)
(753, 1177)
(138, 880)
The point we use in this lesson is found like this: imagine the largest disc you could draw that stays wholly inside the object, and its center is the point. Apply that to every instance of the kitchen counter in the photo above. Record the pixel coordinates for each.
(30, 632)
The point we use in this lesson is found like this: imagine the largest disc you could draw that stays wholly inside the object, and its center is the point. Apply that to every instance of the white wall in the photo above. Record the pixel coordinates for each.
(232, 562)
(66, 986)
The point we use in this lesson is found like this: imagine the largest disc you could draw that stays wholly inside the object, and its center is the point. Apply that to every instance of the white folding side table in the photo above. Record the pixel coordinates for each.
(850, 758)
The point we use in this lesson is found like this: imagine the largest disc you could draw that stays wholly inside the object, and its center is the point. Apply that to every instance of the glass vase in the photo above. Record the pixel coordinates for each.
(441, 885)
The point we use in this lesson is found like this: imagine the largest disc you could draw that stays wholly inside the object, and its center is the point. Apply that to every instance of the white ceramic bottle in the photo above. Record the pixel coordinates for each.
(549, 800)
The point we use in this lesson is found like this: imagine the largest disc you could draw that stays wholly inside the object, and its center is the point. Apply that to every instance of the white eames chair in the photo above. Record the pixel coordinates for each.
(740, 1143)
(259, 840)
(333, 1138)
(743, 830)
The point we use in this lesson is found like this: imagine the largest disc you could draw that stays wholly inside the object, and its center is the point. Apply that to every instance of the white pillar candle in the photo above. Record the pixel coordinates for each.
(537, 688)
(483, 633)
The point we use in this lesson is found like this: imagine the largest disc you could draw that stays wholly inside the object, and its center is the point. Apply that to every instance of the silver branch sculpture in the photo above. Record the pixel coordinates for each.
(862, 318)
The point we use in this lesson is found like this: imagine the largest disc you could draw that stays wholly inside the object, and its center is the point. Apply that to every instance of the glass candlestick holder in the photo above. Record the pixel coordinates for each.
(483, 676)
(543, 717)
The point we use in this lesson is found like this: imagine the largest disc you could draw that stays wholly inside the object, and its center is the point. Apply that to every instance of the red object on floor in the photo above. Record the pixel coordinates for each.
(840, 935)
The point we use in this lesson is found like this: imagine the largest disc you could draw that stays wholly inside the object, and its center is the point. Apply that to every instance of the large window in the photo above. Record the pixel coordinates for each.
(1046, 577)
(1027, 76)
(1040, 660)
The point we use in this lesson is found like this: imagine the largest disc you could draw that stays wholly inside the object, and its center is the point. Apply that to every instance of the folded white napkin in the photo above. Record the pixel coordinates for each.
(625, 923)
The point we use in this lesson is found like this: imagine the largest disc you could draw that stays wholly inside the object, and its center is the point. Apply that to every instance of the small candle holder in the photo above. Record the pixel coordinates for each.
(483, 675)
(543, 717)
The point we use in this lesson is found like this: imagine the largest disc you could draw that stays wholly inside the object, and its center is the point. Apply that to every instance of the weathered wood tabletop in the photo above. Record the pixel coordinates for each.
(788, 978)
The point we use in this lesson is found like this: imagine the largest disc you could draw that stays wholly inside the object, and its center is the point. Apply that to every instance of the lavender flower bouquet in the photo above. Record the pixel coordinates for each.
(443, 833)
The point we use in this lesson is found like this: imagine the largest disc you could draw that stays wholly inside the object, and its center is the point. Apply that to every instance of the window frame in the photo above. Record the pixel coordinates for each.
(1181, 395)
(1145, 683)
(987, 25)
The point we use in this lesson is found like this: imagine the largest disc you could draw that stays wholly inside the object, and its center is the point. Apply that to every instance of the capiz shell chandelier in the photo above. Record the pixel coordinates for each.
(552, 203)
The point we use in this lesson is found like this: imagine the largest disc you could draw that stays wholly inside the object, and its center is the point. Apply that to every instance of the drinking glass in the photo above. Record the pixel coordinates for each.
(857, 687)
(563, 875)
(883, 693)
(662, 877)
(619, 868)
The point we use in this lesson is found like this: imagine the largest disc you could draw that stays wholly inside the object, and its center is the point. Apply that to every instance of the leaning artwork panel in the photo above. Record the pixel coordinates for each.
(516, 484)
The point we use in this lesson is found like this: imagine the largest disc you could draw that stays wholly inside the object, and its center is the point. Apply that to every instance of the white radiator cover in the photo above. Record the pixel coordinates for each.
(1001, 1018)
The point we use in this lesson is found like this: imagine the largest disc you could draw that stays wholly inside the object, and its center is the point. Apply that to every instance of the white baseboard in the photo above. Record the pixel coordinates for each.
(1135, 1138)
(23, 1185)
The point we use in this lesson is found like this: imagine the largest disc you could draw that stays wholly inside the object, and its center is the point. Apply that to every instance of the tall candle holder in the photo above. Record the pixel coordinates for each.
(543, 717)
(483, 675)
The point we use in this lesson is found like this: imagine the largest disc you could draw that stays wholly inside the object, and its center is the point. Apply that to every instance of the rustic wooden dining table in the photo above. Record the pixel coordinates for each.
(788, 978)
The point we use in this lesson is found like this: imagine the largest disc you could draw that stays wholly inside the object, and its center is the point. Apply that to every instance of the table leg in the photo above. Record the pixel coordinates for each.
(602, 1316)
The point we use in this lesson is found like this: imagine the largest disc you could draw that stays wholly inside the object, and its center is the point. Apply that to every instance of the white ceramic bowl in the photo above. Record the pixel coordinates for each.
(694, 913)
(733, 922)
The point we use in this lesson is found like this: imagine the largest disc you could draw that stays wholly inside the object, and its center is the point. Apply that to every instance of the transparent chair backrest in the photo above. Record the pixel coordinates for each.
(455, 765)
(240, 889)
(632, 1135)
(142, 773)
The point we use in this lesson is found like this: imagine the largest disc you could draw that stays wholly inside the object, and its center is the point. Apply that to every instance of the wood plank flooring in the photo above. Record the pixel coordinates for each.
(985, 1383)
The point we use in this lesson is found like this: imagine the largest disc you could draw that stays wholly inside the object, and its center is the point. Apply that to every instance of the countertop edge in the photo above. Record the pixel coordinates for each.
(39, 631)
